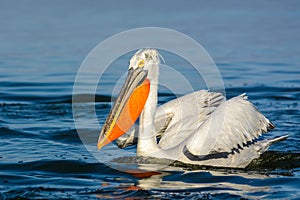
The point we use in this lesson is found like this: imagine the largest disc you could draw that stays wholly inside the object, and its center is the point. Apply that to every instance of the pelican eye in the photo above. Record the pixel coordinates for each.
(141, 63)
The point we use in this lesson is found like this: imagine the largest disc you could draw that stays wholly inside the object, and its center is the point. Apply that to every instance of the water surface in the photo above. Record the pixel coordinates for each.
(255, 46)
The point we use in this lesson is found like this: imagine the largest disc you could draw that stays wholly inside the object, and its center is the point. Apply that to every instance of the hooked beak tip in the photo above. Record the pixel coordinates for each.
(102, 143)
(99, 145)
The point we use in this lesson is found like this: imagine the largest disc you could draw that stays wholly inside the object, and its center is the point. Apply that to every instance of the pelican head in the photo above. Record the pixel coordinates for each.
(144, 58)
(143, 69)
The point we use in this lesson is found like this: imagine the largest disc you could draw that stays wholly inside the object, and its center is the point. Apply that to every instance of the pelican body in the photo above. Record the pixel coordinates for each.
(199, 128)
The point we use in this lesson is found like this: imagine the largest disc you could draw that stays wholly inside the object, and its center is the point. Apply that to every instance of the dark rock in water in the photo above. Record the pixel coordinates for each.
(272, 160)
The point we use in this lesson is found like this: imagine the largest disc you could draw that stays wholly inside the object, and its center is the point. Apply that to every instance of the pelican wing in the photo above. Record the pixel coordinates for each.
(235, 124)
(189, 112)
(199, 104)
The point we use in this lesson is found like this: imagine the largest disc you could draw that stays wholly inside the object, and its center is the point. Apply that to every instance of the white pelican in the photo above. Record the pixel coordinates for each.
(199, 128)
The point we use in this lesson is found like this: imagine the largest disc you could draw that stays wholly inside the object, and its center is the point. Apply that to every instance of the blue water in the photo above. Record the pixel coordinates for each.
(42, 44)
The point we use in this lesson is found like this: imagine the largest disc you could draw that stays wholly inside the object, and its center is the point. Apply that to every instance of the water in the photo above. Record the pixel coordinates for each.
(42, 44)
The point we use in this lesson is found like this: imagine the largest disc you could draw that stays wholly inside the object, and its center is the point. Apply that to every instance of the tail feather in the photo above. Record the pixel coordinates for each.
(277, 139)
(264, 145)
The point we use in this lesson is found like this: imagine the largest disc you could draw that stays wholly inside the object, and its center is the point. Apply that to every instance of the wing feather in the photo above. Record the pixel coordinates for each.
(238, 123)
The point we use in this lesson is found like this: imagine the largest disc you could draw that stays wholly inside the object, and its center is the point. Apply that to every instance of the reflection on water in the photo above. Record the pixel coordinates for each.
(196, 183)
(206, 180)
(156, 175)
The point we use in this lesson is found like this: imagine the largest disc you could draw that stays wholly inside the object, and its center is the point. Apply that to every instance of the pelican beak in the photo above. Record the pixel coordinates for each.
(127, 108)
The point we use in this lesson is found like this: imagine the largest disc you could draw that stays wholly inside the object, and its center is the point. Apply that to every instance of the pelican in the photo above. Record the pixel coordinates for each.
(201, 128)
